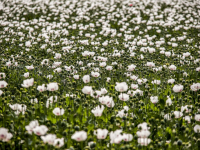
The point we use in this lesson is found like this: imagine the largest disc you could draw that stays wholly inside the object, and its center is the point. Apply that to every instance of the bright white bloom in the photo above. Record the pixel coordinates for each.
(124, 97)
(178, 114)
(171, 81)
(116, 137)
(186, 109)
(197, 117)
(198, 69)
(3, 84)
(167, 54)
(134, 86)
(156, 82)
(143, 133)
(127, 137)
(167, 116)
(154, 99)
(187, 119)
(45, 62)
(121, 113)
(144, 141)
(168, 101)
(143, 126)
(49, 138)
(29, 67)
(57, 56)
(172, 67)
(97, 111)
(177, 88)
(133, 77)
(31, 126)
(197, 128)
(1, 92)
(195, 86)
(58, 70)
(103, 91)
(26, 75)
(87, 90)
(95, 74)
(109, 67)
(79, 136)
(108, 79)
(51, 100)
(50, 76)
(101, 133)
(5, 136)
(40, 130)
(131, 67)
(150, 64)
(108, 101)
(102, 64)
(76, 77)
(27, 83)
(58, 111)
(86, 78)
(121, 87)
(52, 86)
(41, 88)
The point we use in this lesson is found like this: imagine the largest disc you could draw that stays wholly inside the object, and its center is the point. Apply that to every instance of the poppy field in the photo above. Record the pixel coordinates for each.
(100, 74)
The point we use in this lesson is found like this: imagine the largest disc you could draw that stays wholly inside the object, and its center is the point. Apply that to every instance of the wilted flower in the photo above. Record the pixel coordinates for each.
(2, 75)
(58, 142)
(79, 136)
